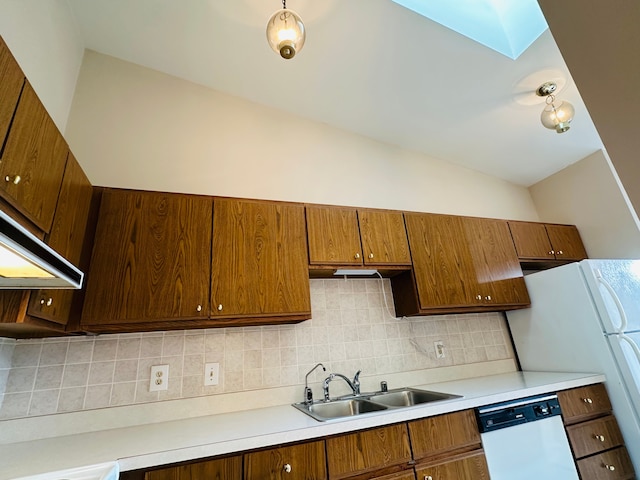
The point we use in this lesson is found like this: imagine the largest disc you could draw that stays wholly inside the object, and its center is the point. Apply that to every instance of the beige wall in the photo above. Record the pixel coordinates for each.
(588, 195)
(46, 43)
(134, 127)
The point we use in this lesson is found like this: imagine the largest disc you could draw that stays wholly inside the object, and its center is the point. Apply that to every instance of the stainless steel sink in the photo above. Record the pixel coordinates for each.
(370, 402)
(409, 397)
(339, 408)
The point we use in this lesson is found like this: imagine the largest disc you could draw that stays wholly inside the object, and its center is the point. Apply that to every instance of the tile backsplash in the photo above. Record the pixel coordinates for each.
(351, 329)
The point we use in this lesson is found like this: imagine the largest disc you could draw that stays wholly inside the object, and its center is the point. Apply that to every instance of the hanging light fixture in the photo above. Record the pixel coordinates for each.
(557, 114)
(285, 32)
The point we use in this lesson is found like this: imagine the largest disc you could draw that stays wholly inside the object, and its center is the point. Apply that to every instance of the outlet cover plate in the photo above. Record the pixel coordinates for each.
(159, 378)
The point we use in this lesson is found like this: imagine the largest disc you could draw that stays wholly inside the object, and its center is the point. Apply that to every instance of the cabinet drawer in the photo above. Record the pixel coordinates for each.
(433, 436)
(594, 436)
(581, 403)
(614, 464)
(305, 461)
(369, 450)
(471, 466)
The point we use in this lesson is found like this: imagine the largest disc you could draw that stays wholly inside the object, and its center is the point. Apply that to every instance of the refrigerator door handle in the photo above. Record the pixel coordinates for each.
(634, 345)
(616, 300)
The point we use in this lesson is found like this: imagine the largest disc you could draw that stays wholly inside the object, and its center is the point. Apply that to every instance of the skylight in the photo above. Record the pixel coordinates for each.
(507, 26)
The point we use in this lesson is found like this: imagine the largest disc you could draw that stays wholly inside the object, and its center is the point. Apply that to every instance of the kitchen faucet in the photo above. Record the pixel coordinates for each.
(354, 385)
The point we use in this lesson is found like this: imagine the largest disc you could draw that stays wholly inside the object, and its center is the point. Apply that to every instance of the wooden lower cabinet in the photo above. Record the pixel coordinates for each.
(468, 466)
(305, 461)
(612, 464)
(434, 437)
(580, 404)
(229, 468)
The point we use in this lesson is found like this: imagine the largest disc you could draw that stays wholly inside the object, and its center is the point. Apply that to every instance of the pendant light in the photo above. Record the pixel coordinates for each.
(557, 114)
(285, 32)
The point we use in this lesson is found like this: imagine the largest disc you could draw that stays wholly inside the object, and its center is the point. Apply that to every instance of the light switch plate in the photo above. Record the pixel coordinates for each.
(159, 378)
(211, 374)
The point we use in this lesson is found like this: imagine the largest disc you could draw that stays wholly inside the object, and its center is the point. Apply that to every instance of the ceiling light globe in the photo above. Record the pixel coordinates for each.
(285, 33)
(557, 115)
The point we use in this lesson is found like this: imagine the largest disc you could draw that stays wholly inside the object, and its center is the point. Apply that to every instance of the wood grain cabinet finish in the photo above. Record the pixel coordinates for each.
(305, 461)
(610, 465)
(594, 436)
(33, 161)
(405, 475)
(460, 264)
(364, 452)
(11, 82)
(67, 238)
(150, 267)
(342, 236)
(468, 466)
(544, 242)
(229, 468)
(584, 403)
(260, 262)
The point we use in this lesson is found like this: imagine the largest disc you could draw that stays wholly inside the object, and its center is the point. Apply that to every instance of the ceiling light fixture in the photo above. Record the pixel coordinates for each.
(285, 32)
(557, 115)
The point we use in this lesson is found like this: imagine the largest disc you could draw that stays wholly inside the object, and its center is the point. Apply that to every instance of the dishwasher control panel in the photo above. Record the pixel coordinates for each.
(515, 412)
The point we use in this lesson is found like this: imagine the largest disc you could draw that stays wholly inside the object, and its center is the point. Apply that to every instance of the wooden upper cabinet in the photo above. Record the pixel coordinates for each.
(260, 262)
(33, 161)
(367, 451)
(151, 261)
(333, 236)
(384, 237)
(540, 241)
(229, 468)
(66, 237)
(11, 82)
(444, 434)
(304, 461)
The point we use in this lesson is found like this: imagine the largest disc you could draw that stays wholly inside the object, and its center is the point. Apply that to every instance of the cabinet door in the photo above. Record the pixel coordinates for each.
(219, 469)
(498, 273)
(333, 235)
(612, 465)
(442, 262)
(11, 81)
(405, 475)
(260, 263)
(471, 466)
(579, 404)
(367, 451)
(384, 238)
(33, 161)
(150, 262)
(434, 436)
(66, 238)
(566, 242)
(304, 461)
(531, 241)
(595, 436)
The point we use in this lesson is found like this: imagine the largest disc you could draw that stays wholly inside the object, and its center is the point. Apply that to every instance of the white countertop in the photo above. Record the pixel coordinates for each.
(192, 438)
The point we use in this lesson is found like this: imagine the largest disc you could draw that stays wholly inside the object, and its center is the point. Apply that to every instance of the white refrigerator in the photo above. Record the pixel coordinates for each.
(585, 317)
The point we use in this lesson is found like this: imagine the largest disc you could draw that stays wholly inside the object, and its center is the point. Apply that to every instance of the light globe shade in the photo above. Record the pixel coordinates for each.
(285, 33)
(557, 116)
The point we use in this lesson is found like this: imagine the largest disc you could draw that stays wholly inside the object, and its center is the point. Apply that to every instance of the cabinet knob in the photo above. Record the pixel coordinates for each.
(559, 252)
(488, 298)
(428, 477)
(287, 468)
(199, 308)
(357, 255)
(220, 307)
(16, 179)
(371, 255)
(599, 437)
(551, 252)
(609, 467)
(478, 297)
(48, 302)
(587, 400)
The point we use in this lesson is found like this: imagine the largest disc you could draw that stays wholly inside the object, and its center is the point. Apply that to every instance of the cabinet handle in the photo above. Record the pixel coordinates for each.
(587, 400)
(371, 255)
(15, 181)
(220, 307)
(357, 255)
(287, 468)
(199, 308)
(48, 302)
(599, 437)
(609, 467)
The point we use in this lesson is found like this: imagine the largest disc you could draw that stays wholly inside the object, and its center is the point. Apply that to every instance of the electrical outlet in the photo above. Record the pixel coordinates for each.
(211, 374)
(159, 378)
(439, 349)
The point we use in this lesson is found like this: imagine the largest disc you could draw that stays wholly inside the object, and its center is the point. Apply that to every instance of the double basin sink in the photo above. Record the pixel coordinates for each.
(371, 402)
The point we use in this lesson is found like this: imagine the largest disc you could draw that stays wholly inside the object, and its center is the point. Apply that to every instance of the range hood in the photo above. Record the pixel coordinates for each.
(26, 262)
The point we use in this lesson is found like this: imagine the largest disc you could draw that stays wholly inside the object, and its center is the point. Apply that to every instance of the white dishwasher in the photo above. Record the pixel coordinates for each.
(525, 440)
